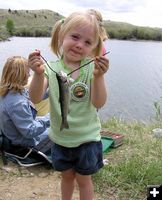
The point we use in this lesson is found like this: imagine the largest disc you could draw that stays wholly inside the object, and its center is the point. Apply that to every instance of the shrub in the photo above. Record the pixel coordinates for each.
(10, 26)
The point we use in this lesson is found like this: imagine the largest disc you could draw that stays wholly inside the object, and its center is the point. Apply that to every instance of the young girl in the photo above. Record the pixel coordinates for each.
(77, 150)
(18, 116)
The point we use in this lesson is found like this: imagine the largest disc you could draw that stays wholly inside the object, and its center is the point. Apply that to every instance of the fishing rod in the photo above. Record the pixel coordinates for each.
(86, 64)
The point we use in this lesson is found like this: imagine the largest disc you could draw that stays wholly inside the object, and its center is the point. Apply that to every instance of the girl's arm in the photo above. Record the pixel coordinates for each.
(39, 83)
(98, 87)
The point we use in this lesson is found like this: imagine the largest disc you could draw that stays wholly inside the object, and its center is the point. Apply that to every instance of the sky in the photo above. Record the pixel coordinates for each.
(136, 12)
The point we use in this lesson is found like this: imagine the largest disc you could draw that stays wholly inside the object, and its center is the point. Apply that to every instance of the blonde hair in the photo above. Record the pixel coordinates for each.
(99, 18)
(14, 75)
(62, 27)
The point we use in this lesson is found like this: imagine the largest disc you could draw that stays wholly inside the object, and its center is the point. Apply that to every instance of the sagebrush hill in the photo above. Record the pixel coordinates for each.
(39, 23)
(28, 22)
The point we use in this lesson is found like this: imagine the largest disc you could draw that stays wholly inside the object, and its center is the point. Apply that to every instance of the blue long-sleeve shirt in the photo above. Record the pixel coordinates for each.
(18, 120)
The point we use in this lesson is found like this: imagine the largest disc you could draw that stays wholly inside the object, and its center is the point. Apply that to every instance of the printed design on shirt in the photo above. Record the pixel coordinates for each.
(79, 91)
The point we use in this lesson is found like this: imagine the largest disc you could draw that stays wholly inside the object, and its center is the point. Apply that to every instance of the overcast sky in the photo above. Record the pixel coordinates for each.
(137, 12)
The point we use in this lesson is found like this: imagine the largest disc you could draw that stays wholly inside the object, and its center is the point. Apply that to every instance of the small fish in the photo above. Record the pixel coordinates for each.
(64, 92)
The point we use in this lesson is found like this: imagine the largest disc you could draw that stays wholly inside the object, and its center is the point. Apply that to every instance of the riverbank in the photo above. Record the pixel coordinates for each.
(3, 39)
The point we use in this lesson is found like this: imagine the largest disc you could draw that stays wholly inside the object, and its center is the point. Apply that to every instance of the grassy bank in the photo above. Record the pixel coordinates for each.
(132, 166)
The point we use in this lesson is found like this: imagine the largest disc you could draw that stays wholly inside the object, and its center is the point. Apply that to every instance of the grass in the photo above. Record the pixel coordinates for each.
(132, 166)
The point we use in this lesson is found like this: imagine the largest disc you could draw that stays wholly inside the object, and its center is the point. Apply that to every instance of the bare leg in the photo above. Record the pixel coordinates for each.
(67, 184)
(85, 186)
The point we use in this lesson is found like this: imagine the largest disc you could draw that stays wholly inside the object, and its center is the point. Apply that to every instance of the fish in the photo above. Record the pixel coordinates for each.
(64, 98)
(64, 91)
(64, 94)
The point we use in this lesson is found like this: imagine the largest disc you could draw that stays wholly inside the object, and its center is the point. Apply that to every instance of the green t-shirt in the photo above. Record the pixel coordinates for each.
(83, 120)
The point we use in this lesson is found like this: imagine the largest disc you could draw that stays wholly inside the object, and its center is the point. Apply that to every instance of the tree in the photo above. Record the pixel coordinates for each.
(10, 26)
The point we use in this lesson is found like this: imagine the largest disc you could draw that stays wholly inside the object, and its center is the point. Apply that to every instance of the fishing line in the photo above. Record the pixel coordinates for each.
(48, 64)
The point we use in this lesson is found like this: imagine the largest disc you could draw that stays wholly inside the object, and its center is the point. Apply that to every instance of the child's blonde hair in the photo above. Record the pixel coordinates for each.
(15, 75)
(99, 18)
(62, 27)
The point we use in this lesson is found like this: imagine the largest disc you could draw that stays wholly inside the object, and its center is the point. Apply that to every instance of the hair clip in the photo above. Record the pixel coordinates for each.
(62, 20)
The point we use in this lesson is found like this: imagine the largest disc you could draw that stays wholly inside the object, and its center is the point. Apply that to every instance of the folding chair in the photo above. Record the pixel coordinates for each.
(23, 156)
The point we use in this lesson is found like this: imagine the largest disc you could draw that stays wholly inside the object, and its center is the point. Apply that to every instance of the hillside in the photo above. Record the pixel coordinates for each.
(128, 31)
(36, 23)
(28, 22)
(29, 17)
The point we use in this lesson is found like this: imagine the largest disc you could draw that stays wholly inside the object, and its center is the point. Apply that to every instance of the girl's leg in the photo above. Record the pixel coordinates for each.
(67, 184)
(85, 186)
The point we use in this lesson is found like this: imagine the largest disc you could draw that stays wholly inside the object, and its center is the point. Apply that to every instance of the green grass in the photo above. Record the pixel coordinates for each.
(132, 166)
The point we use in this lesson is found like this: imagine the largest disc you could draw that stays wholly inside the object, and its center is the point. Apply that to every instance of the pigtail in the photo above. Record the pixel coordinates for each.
(104, 34)
(55, 41)
(98, 49)
(99, 18)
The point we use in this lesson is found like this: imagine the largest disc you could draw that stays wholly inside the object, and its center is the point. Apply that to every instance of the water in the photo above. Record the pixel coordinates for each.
(133, 81)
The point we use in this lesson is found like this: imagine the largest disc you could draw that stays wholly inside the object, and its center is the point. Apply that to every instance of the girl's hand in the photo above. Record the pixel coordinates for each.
(35, 62)
(101, 66)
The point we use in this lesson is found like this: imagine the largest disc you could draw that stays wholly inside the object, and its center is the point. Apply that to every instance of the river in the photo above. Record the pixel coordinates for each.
(133, 81)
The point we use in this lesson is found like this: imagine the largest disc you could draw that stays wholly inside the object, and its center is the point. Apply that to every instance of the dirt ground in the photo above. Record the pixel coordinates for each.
(32, 183)
(36, 183)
